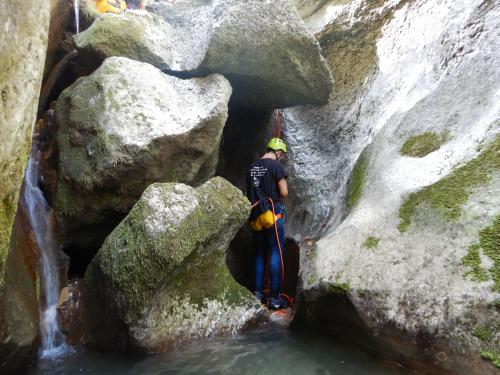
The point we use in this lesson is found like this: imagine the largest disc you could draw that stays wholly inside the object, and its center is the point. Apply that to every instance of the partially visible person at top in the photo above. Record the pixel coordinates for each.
(111, 6)
(118, 6)
(266, 188)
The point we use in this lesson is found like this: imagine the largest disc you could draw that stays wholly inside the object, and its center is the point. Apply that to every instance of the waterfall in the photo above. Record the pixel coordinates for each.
(53, 341)
(77, 15)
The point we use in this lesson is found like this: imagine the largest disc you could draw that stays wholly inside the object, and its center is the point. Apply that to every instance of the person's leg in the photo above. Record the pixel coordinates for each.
(260, 252)
(275, 256)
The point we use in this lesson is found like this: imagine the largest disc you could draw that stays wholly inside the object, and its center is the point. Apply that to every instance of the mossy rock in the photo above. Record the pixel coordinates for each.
(139, 36)
(170, 252)
(489, 245)
(124, 127)
(448, 195)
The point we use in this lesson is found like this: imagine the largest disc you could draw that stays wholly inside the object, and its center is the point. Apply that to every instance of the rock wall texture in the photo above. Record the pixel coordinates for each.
(21, 67)
(23, 45)
(161, 274)
(408, 255)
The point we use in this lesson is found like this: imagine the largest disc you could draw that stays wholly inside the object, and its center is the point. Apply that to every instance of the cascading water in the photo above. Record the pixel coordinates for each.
(77, 15)
(53, 341)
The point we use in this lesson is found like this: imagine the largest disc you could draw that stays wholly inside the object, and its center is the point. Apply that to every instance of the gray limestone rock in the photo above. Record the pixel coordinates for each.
(262, 47)
(162, 275)
(124, 127)
(403, 258)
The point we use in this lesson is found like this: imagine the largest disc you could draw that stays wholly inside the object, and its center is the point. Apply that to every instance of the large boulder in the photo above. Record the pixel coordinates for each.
(23, 44)
(161, 275)
(270, 58)
(408, 264)
(124, 127)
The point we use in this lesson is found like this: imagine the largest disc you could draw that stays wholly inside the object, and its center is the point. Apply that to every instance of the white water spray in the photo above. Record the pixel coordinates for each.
(76, 5)
(53, 341)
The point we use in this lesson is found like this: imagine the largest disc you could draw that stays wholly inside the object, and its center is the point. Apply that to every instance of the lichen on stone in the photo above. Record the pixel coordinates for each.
(423, 144)
(489, 244)
(448, 195)
(371, 242)
(357, 181)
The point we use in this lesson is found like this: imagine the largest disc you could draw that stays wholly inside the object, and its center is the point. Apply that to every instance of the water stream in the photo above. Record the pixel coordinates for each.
(270, 350)
(53, 343)
(77, 15)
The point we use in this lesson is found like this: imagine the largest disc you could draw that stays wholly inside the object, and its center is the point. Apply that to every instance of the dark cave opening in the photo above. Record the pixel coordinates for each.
(245, 137)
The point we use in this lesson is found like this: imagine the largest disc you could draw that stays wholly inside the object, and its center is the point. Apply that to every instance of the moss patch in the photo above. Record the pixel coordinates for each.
(483, 333)
(493, 357)
(371, 242)
(421, 145)
(448, 195)
(340, 288)
(357, 181)
(473, 260)
(489, 244)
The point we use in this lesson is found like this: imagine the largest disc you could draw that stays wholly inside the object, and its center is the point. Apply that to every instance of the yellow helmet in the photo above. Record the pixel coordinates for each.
(277, 144)
(111, 6)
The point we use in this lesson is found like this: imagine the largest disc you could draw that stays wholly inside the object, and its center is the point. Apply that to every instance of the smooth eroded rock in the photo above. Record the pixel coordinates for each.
(270, 58)
(161, 275)
(124, 127)
(406, 224)
(23, 44)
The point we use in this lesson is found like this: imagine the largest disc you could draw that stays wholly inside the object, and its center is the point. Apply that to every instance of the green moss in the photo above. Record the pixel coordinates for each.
(448, 195)
(493, 357)
(423, 144)
(310, 280)
(340, 288)
(357, 181)
(473, 260)
(371, 242)
(483, 333)
(489, 244)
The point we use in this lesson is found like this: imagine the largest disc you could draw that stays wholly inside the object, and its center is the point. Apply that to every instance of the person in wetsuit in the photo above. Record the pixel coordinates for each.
(266, 188)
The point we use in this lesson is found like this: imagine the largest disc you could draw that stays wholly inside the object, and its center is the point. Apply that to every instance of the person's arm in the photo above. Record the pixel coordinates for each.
(282, 185)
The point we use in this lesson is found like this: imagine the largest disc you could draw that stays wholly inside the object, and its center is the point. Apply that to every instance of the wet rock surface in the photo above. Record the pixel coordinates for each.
(403, 253)
(271, 59)
(124, 127)
(161, 275)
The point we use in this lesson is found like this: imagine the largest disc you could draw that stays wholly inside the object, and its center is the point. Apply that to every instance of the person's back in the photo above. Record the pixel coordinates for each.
(262, 182)
(266, 186)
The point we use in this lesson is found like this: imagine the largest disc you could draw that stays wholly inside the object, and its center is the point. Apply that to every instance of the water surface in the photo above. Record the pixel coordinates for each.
(269, 350)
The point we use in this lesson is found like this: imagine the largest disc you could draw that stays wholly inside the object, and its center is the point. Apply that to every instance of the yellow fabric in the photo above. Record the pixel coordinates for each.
(264, 220)
(112, 6)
